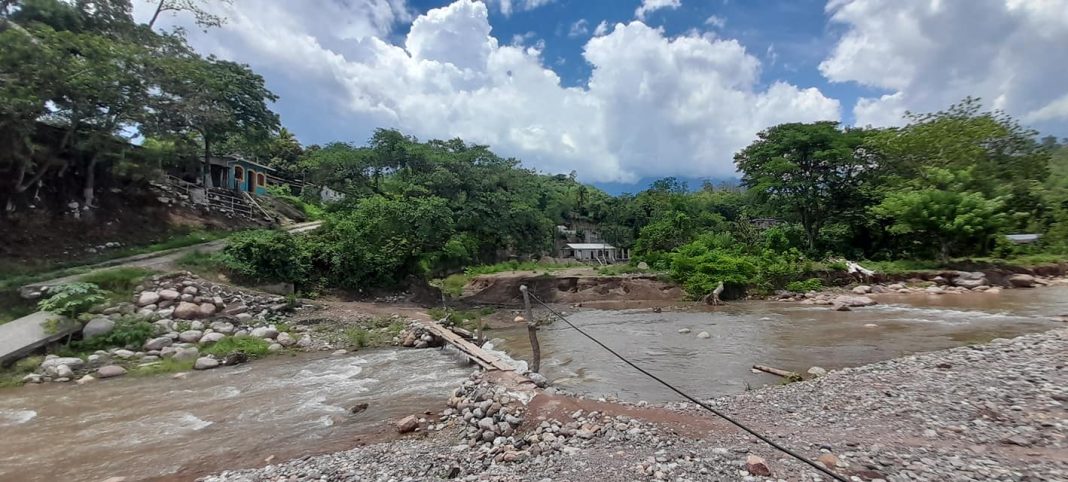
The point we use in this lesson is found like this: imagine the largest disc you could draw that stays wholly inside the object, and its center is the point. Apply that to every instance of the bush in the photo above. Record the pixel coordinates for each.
(72, 299)
(811, 284)
(130, 330)
(253, 347)
(266, 256)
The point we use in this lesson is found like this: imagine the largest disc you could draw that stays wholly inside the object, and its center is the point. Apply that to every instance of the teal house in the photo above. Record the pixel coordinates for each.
(239, 174)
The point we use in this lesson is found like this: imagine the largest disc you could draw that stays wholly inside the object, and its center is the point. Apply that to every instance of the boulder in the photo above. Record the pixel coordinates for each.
(817, 371)
(1022, 281)
(265, 332)
(862, 289)
(63, 371)
(196, 325)
(158, 343)
(186, 311)
(704, 334)
(187, 354)
(211, 338)
(643, 265)
(148, 298)
(841, 307)
(169, 295)
(124, 354)
(828, 460)
(190, 290)
(538, 379)
(70, 362)
(110, 371)
(97, 327)
(852, 301)
(757, 466)
(85, 379)
(934, 290)
(205, 363)
(274, 347)
(190, 336)
(224, 327)
(408, 424)
(285, 340)
(206, 309)
(896, 286)
(684, 330)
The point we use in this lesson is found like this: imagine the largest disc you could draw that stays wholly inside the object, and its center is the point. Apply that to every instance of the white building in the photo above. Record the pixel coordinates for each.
(593, 252)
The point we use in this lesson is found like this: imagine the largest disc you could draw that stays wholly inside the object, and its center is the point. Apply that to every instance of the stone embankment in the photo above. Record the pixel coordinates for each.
(993, 412)
(187, 314)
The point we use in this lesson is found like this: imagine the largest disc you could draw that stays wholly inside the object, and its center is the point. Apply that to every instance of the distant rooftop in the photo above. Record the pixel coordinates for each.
(590, 246)
(1023, 238)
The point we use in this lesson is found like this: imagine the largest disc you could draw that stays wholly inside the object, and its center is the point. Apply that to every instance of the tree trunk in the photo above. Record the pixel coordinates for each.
(206, 168)
(89, 191)
(944, 252)
(155, 16)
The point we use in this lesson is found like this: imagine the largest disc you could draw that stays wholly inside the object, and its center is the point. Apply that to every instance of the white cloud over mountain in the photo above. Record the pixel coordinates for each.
(932, 53)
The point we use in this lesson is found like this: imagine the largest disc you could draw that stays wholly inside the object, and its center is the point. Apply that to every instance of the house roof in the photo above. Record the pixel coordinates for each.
(590, 246)
(1023, 238)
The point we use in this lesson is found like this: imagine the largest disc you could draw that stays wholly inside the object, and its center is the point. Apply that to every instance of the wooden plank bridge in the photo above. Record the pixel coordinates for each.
(483, 358)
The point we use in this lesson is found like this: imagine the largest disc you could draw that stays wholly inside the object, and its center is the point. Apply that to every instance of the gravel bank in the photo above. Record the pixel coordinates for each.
(991, 412)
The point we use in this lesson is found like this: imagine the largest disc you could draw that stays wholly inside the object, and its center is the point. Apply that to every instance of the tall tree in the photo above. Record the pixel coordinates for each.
(203, 14)
(811, 172)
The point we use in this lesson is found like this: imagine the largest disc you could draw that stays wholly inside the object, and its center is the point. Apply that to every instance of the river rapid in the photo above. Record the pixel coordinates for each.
(159, 428)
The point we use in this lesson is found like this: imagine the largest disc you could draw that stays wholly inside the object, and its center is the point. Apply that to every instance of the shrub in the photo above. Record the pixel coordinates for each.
(72, 299)
(266, 256)
(253, 347)
(811, 284)
(130, 330)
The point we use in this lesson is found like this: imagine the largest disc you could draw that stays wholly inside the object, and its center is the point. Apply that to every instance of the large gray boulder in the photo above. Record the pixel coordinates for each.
(224, 327)
(53, 363)
(206, 309)
(97, 327)
(213, 337)
(1022, 281)
(190, 336)
(852, 301)
(169, 295)
(186, 354)
(157, 344)
(110, 371)
(285, 340)
(205, 363)
(186, 311)
(265, 332)
(148, 298)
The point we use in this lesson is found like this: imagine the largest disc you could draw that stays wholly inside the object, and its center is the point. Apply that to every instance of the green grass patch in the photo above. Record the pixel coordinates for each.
(253, 347)
(205, 265)
(620, 269)
(12, 376)
(466, 319)
(117, 280)
(166, 365)
(812, 284)
(516, 266)
(453, 285)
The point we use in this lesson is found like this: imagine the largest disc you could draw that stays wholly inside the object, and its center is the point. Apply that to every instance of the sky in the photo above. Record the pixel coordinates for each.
(624, 91)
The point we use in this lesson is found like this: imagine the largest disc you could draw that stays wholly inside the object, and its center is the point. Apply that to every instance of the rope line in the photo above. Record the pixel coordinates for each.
(703, 405)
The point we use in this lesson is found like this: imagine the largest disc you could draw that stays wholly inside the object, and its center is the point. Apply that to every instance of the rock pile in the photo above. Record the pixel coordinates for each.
(417, 336)
(490, 416)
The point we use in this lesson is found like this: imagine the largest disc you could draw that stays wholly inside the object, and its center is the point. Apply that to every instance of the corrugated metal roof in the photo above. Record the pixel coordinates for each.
(1023, 238)
(590, 246)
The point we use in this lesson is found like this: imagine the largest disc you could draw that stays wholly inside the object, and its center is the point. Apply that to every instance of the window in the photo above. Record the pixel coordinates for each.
(261, 180)
(251, 180)
(239, 173)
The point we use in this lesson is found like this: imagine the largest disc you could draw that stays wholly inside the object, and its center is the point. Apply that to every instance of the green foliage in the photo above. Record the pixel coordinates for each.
(206, 265)
(358, 337)
(12, 376)
(711, 259)
(312, 210)
(942, 213)
(130, 331)
(251, 346)
(811, 284)
(117, 280)
(72, 299)
(468, 319)
(266, 256)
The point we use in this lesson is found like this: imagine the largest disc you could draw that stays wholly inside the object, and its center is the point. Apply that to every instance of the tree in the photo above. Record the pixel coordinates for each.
(203, 16)
(213, 100)
(938, 210)
(810, 171)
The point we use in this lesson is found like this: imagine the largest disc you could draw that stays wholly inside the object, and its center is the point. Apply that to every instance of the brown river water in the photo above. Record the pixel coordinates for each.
(145, 428)
(789, 336)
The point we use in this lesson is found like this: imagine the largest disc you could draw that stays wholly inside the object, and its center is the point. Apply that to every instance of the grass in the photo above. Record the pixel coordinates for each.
(467, 319)
(16, 276)
(12, 377)
(120, 280)
(253, 347)
(205, 265)
(618, 269)
(453, 285)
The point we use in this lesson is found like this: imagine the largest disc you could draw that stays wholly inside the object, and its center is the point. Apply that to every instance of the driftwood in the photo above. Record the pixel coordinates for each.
(792, 376)
(713, 297)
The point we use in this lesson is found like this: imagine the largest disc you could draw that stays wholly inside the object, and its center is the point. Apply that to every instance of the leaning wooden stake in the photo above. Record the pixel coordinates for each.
(775, 371)
(532, 331)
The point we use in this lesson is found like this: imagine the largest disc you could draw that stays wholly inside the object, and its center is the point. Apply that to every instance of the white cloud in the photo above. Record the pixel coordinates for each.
(602, 28)
(507, 7)
(929, 54)
(654, 105)
(715, 21)
(648, 6)
(579, 28)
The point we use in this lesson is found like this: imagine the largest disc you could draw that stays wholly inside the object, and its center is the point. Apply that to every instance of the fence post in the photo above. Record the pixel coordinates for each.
(532, 331)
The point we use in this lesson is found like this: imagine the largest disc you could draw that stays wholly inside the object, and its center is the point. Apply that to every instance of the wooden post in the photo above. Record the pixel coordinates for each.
(532, 331)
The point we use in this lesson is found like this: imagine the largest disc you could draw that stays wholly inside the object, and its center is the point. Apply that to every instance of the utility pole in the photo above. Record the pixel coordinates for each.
(532, 331)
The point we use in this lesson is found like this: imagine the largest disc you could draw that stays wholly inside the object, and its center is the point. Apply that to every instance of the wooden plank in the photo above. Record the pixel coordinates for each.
(478, 355)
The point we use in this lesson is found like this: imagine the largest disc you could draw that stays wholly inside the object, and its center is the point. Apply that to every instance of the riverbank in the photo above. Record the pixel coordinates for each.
(985, 412)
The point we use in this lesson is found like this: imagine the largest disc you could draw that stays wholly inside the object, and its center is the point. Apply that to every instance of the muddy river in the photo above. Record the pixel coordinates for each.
(783, 335)
(285, 407)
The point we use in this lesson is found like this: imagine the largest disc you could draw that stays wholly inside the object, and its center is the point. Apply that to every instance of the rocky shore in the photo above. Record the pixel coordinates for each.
(991, 412)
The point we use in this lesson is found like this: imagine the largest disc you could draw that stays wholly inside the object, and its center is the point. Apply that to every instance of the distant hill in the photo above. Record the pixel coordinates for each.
(694, 183)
